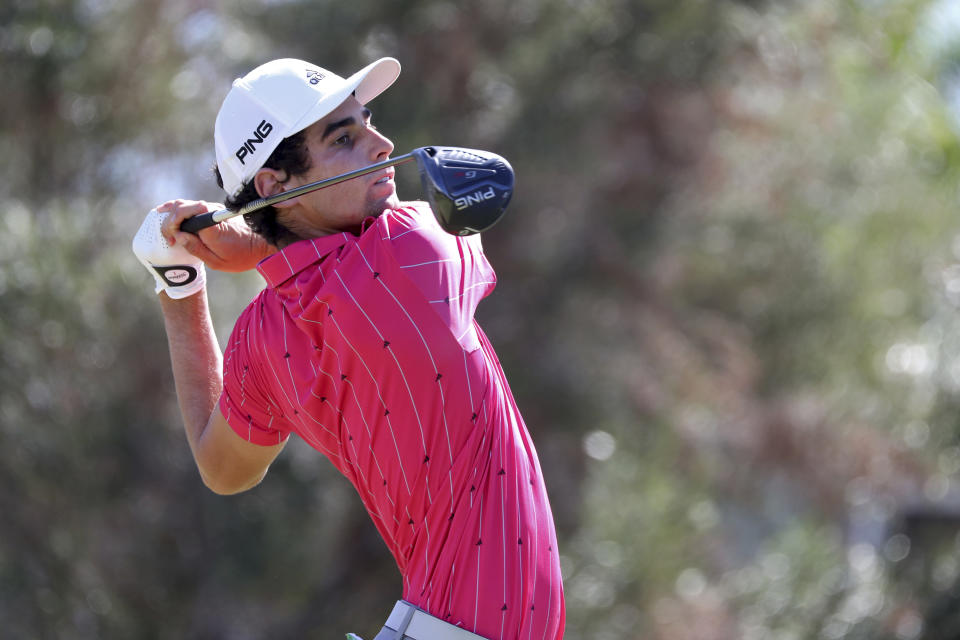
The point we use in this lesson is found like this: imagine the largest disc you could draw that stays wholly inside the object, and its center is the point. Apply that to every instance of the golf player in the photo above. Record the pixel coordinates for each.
(364, 344)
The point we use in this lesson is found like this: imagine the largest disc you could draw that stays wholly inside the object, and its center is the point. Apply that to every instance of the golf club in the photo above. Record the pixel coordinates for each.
(468, 190)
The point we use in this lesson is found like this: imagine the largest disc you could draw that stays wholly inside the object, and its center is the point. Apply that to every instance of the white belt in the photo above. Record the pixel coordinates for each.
(416, 624)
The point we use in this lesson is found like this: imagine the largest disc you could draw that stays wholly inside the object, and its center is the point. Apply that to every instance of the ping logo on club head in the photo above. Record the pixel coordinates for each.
(474, 198)
(259, 135)
(177, 276)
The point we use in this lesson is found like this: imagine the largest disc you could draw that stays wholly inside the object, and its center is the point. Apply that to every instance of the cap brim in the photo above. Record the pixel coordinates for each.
(375, 78)
(367, 84)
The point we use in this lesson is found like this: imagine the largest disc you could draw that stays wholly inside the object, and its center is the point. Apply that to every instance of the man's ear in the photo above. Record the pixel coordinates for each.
(270, 182)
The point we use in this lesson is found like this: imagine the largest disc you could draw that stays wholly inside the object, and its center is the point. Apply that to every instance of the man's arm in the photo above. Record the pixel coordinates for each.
(228, 246)
(227, 463)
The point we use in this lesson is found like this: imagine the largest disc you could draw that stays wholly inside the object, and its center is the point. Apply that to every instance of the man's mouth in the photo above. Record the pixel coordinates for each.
(386, 178)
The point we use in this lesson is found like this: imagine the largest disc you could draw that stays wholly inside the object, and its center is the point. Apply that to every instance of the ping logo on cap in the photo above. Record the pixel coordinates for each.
(259, 135)
(314, 76)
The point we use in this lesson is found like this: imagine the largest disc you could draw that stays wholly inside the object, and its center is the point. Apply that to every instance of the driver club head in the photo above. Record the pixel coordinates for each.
(467, 189)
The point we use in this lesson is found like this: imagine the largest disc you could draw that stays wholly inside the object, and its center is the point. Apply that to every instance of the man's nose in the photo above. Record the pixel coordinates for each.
(382, 146)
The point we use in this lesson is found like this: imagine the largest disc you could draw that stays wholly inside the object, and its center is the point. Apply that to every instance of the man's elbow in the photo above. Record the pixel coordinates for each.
(228, 484)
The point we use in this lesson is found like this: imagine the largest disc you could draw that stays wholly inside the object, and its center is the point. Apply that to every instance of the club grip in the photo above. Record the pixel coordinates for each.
(194, 224)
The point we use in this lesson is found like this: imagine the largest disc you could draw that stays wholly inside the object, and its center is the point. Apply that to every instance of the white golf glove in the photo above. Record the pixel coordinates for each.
(176, 271)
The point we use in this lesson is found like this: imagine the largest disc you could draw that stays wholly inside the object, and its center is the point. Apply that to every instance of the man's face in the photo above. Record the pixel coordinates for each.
(343, 141)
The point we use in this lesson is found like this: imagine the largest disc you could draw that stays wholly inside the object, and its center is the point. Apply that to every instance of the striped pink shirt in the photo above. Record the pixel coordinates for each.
(367, 348)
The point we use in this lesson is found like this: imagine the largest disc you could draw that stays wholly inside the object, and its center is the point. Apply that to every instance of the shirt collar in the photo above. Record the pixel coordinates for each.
(296, 257)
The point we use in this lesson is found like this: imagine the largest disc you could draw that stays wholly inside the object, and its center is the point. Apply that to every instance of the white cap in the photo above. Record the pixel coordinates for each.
(278, 99)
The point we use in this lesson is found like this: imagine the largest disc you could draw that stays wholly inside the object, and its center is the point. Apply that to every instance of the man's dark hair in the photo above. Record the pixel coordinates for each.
(293, 159)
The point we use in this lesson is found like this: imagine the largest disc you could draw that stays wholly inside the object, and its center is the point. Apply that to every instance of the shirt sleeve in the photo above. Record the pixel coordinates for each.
(248, 411)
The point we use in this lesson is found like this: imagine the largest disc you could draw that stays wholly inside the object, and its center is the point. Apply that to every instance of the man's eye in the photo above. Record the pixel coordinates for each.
(343, 140)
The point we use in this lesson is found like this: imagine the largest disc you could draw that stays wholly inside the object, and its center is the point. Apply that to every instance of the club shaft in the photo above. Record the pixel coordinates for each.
(209, 219)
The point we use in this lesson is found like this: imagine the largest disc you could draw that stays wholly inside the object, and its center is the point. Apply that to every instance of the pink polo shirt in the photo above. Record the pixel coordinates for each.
(366, 347)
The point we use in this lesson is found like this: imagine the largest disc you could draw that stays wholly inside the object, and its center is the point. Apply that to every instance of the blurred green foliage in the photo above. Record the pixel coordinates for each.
(728, 300)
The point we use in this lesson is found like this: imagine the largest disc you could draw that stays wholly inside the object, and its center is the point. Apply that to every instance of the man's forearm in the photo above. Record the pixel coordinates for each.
(196, 360)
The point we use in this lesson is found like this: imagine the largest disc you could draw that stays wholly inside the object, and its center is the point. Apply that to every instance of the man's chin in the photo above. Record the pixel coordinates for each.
(391, 202)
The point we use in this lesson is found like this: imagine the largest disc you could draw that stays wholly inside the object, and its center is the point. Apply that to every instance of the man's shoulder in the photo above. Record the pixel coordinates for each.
(414, 204)
(416, 218)
(411, 209)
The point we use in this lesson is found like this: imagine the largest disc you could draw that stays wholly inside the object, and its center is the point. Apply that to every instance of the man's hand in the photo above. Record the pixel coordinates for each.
(176, 272)
(228, 246)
